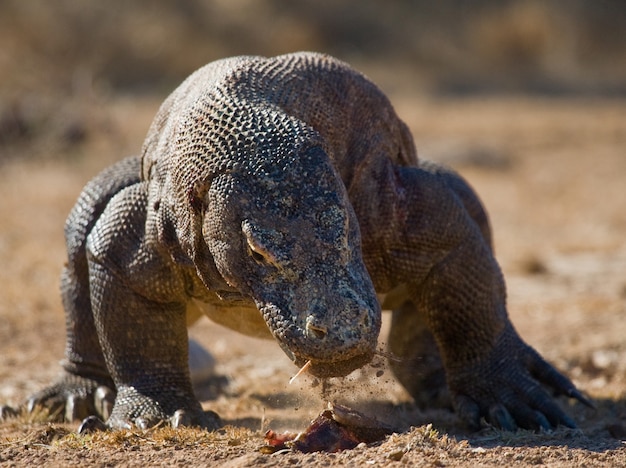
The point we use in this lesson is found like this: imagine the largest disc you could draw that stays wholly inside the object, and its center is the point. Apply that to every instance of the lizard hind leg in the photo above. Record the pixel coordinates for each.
(416, 361)
(466, 194)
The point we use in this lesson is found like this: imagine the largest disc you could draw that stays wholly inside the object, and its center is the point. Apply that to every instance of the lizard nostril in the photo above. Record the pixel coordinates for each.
(315, 330)
(365, 318)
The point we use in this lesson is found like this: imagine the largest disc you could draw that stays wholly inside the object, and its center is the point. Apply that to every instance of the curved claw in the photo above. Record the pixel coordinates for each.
(92, 424)
(549, 376)
(207, 419)
(501, 418)
(8, 412)
(142, 423)
(72, 398)
(55, 405)
(528, 418)
(567, 421)
(577, 394)
(468, 411)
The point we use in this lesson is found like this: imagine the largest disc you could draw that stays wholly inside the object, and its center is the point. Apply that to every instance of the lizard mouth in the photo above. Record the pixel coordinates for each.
(340, 368)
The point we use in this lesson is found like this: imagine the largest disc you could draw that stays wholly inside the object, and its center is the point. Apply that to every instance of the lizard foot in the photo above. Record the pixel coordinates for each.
(135, 409)
(507, 388)
(73, 398)
(181, 418)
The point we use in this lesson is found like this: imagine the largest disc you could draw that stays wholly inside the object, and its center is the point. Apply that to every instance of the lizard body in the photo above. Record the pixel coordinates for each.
(282, 197)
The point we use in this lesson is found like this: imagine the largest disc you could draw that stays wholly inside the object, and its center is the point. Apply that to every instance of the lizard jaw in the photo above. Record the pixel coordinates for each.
(339, 368)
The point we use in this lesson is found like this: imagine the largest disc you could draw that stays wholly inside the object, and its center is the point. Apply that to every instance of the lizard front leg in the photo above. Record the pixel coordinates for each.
(419, 351)
(139, 300)
(85, 387)
(437, 253)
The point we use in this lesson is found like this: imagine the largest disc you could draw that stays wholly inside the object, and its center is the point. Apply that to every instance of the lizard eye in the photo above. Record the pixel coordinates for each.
(257, 253)
(257, 241)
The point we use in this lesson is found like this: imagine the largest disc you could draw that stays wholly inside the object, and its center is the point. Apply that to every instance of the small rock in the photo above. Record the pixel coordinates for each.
(604, 358)
(396, 455)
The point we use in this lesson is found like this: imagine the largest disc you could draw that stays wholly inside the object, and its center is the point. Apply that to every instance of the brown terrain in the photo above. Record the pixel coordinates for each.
(549, 166)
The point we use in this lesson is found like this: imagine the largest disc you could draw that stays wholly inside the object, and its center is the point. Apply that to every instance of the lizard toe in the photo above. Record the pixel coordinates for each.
(53, 404)
(468, 411)
(552, 378)
(519, 414)
(8, 412)
(541, 402)
(500, 417)
(144, 422)
(71, 398)
(206, 419)
(92, 424)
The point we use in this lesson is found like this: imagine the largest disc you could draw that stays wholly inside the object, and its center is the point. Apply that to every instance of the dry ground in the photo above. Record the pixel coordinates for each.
(552, 174)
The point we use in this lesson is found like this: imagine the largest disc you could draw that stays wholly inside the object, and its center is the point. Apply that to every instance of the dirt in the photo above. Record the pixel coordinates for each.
(551, 173)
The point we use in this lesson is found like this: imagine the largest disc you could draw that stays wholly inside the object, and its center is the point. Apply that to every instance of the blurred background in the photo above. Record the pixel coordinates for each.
(449, 46)
(58, 50)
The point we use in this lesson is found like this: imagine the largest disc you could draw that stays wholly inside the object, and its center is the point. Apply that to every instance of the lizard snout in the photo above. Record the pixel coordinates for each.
(336, 329)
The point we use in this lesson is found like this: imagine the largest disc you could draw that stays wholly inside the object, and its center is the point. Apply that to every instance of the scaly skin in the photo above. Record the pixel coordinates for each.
(280, 196)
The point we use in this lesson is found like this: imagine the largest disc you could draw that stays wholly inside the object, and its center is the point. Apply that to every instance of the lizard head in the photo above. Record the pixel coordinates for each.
(286, 235)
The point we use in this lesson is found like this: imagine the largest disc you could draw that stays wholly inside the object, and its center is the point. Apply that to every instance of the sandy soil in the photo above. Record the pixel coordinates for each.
(551, 173)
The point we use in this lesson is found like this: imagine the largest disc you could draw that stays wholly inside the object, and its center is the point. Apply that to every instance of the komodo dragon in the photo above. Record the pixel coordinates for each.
(283, 197)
